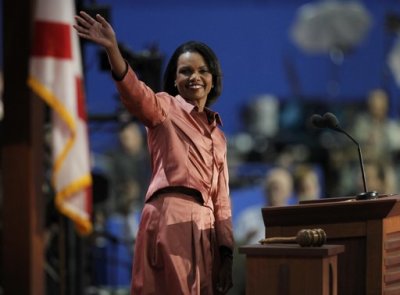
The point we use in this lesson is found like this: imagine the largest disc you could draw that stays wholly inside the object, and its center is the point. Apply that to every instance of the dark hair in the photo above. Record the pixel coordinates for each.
(209, 57)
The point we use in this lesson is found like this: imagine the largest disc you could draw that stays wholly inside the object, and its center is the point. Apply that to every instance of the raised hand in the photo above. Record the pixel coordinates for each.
(100, 32)
(97, 30)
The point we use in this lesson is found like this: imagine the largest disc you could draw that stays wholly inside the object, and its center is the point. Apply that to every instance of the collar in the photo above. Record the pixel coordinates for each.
(211, 115)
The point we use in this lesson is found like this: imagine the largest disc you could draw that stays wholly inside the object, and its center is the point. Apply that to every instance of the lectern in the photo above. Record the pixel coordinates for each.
(289, 269)
(369, 230)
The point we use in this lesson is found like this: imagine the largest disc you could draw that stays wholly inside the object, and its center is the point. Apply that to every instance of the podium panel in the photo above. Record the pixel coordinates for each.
(289, 269)
(369, 230)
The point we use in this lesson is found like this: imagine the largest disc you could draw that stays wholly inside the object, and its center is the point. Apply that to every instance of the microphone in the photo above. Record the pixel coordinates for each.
(317, 121)
(329, 120)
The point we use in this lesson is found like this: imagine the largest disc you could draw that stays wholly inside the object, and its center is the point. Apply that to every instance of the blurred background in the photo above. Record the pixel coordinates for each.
(283, 61)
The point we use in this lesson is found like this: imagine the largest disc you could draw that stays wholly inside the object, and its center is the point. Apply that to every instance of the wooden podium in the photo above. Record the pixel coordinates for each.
(289, 269)
(369, 230)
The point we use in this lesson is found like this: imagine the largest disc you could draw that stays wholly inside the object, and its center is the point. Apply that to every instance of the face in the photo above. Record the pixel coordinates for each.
(378, 104)
(193, 78)
(278, 193)
(131, 139)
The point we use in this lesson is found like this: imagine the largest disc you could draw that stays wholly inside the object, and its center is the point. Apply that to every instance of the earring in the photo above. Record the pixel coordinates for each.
(175, 84)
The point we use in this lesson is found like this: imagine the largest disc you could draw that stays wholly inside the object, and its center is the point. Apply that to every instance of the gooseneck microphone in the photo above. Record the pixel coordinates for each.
(329, 120)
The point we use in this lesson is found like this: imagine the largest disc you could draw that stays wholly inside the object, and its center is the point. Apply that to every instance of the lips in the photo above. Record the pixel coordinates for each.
(195, 86)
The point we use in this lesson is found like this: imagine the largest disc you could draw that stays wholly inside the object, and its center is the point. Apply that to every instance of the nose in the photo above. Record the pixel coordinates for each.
(194, 76)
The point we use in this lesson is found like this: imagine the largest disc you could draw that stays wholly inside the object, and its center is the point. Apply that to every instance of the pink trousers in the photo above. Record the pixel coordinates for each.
(175, 250)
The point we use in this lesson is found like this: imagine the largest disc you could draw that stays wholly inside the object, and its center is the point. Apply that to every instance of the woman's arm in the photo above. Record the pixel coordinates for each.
(139, 99)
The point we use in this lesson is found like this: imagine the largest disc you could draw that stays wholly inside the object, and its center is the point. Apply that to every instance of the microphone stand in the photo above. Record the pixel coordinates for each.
(366, 195)
(330, 121)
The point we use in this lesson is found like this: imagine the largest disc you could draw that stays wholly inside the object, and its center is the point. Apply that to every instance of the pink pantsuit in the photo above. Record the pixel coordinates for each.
(177, 247)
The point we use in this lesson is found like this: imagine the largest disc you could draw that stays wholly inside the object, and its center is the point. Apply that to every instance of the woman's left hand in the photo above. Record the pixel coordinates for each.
(225, 275)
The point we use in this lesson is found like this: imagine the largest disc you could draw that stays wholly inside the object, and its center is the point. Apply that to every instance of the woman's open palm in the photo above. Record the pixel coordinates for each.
(97, 30)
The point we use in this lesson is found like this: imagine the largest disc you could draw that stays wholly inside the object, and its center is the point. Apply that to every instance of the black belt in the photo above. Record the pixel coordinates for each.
(181, 190)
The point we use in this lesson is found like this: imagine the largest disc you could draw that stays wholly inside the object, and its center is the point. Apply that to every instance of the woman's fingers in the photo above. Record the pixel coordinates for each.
(81, 22)
(90, 20)
(85, 19)
(96, 29)
(101, 20)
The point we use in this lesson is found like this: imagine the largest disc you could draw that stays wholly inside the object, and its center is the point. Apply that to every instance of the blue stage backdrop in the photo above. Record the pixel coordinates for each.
(255, 49)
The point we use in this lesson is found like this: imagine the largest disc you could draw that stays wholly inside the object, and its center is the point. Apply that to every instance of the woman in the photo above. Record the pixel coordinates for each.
(185, 241)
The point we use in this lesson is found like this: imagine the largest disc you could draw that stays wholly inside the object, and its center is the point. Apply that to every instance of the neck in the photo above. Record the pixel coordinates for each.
(200, 106)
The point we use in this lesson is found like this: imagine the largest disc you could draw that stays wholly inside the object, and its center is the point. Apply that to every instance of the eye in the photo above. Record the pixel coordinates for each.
(185, 71)
(204, 71)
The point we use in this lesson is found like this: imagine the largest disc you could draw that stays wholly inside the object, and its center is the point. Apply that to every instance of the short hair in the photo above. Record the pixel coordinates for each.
(210, 59)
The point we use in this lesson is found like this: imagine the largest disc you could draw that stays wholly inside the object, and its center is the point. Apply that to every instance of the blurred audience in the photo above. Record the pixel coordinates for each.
(380, 177)
(376, 132)
(278, 191)
(120, 179)
(306, 183)
(128, 169)
(249, 227)
(261, 116)
(378, 136)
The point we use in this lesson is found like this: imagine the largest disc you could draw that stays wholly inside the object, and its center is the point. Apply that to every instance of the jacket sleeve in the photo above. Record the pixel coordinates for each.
(141, 101)
(222, 209)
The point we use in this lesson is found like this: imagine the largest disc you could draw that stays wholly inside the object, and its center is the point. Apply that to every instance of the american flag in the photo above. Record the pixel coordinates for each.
(56, 77)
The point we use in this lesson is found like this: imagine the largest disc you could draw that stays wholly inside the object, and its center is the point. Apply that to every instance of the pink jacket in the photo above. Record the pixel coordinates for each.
(187, 148)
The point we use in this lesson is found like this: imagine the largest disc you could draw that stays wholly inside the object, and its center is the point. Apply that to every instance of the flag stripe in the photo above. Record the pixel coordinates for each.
(81, 99)
(52, 40)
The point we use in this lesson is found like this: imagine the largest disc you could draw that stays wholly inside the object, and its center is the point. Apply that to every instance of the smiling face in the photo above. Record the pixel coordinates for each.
(193, 78)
